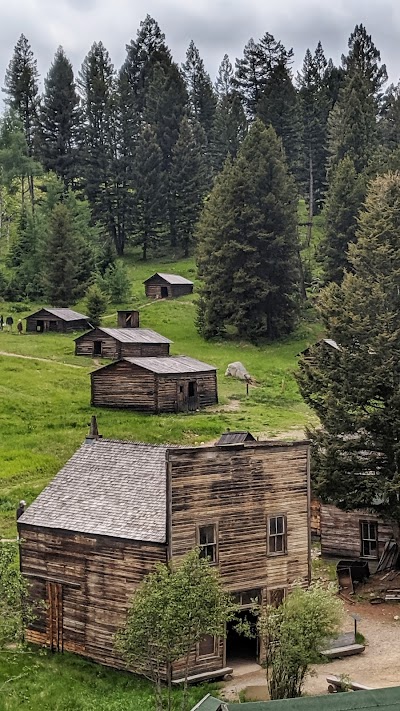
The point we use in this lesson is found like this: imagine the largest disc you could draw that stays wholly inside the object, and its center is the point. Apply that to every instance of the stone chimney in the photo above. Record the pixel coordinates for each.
(93, 431)
(128, 319)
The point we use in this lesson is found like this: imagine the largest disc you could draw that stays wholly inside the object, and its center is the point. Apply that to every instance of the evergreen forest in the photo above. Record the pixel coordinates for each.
(159, 159)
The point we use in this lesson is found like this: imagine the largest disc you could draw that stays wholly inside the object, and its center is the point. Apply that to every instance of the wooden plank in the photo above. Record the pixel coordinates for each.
(195, 678)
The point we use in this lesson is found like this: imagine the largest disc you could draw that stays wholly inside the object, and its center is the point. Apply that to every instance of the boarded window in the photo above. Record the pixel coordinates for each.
(207, 646)
(207, 538)
(369, 539)
(276, 596)
(276, 535)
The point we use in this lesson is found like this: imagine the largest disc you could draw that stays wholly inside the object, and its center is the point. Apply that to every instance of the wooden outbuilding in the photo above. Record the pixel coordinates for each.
(128, 318)
(353, 534)
(117, 508)
(167, 286)
(235, 437)
(174, 384)
(118, 343)
(58, 320)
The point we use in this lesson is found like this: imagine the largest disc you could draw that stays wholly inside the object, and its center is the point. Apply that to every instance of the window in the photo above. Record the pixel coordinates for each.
(247, 598)
(97, 348)
(207, 539)
(276, 535)
(207, 647)
(276, 596)
(369, 539)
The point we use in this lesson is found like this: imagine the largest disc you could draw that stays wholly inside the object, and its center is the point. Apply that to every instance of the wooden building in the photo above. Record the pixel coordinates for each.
(235, 437)
(117, 343)
(174, 384)
(117, 508)
(128, 318)
(60, 320)
(353, 534)
(167, 286)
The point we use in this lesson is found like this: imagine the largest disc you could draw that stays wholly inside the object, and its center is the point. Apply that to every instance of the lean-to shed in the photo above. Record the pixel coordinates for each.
(174, 384)
(61, 320)
(117, 508)
(120, 342)
(163, 286)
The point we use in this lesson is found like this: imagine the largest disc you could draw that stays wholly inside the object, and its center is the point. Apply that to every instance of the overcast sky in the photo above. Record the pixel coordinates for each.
(216, 26)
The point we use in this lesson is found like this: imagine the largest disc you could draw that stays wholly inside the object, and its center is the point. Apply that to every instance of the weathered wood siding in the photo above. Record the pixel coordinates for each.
(114, 349)
(153, 289)
(315, 519)
(124, 385)
(98, 576)
(340, 532)
(237, 488)
(127, 385)
(60, 325)
(168, 399)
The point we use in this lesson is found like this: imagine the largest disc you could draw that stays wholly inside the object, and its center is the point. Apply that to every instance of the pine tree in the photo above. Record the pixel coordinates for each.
(314, 102)
(101, 170)
(248, 250)
(343, 203)
(21, 87)
(389, 127)
(202, 99)
(356, 391)
(188, 181)
(96, 305)
(61, 259)
(60, 120)
(230, 123)
(150, 192)
(364, 59)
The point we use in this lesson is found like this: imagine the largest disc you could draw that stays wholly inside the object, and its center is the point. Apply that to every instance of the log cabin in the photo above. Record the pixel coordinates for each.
(174, 384)
(117, 508)
(167, 286)
(59, 320)
(117, 343)
(353, 534)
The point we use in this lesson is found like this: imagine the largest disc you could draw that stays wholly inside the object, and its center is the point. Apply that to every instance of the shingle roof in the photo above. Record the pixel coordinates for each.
(64, 314)
(110, 488)
(134, 335)
(171, 364)
(235, 437)
(170, 278)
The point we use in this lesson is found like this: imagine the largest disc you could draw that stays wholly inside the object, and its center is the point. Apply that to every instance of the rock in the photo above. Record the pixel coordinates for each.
(237, 370)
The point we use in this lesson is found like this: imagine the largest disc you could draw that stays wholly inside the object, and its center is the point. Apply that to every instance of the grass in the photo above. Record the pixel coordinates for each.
(46, 682)
(44, 415)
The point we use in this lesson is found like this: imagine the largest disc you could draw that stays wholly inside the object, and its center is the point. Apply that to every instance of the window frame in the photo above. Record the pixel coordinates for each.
(215, 652)
(216, 544)
(284, 550)
(375, 555)
(271, 590)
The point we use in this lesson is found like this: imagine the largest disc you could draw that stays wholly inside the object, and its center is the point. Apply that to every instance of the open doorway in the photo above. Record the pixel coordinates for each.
(238, 647)
(97, 348)
(40, 326)
(164, 292)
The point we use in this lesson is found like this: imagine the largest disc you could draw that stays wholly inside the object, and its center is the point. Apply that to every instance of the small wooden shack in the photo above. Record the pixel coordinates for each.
(235, 437)
(167, 286)
(118, 508)
(128, 318)
(353, 534)
(58, 320)
(118, 343)
(174, 384)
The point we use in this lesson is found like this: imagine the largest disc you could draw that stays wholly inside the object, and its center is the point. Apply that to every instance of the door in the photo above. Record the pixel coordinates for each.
(164, 292)
(55, 616)
(182, 396)
(52, 325)
(97, 348)
(192, 396)
(40, 326)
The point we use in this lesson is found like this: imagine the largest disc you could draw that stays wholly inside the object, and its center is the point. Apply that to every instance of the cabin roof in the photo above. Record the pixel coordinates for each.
(63, 314)
(170, 278)
(110, 488)
(131, 335)
(171, 364)
(235, 437)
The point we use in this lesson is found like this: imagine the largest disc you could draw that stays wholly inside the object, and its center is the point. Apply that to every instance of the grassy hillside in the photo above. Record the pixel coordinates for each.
(44, 404)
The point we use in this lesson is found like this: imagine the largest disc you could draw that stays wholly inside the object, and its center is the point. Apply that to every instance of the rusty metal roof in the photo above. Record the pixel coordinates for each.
(170, 278)
(171, 364)
(109, 488)
(64, 314)
(134, 335)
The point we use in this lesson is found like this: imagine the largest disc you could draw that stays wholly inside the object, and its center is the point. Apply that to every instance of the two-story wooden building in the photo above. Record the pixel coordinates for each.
(117, 508)
(119, 343)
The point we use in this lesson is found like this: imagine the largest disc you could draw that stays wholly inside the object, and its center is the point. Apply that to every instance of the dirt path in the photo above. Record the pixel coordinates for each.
(378, 666)
(42, 360)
